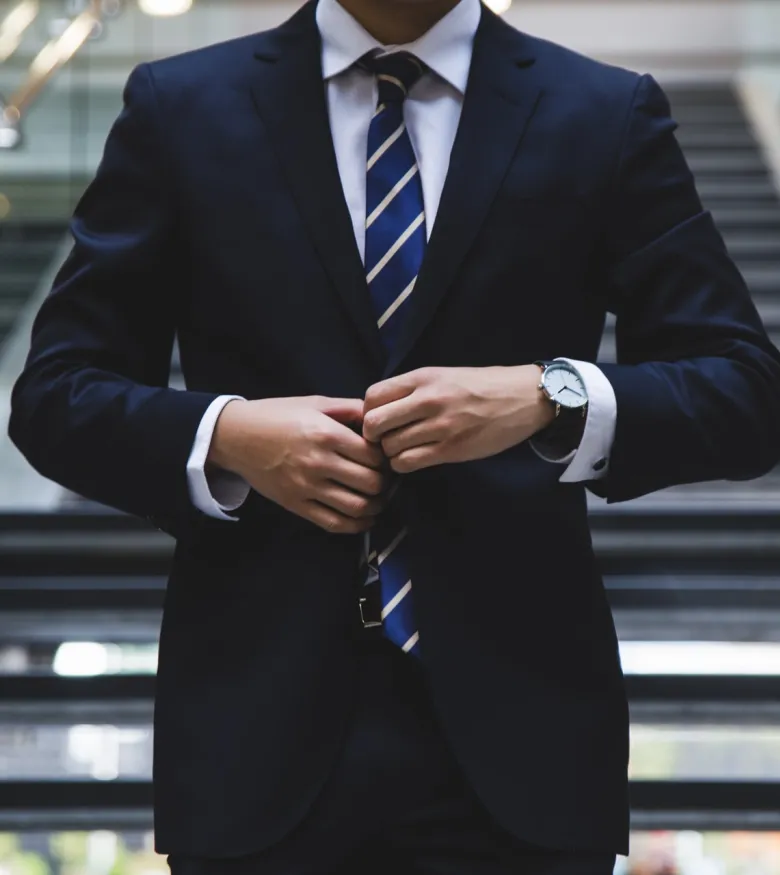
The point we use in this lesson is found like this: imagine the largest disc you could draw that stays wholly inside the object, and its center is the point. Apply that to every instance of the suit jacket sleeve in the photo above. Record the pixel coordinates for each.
(92, 409)
(697, 381)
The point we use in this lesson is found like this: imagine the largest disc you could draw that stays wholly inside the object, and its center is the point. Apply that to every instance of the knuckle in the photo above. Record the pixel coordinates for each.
(370, 423)
(375, 485)
(372, 394)
(319, 434)
(360, 506)
(332, 524)
(399, 465)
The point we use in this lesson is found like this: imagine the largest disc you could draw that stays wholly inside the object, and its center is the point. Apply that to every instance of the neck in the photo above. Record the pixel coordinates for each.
(395, 22)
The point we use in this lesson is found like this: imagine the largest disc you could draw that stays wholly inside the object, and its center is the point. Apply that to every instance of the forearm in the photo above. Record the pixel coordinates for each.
(713, 418)
(107, 438)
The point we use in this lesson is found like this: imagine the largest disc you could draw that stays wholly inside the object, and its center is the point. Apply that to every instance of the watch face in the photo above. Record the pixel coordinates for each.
(565, 386)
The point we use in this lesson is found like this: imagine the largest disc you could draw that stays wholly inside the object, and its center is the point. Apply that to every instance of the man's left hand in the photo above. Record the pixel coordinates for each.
(435, 416)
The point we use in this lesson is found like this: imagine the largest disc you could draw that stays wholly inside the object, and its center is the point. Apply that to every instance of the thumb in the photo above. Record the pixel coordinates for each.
(344, 410)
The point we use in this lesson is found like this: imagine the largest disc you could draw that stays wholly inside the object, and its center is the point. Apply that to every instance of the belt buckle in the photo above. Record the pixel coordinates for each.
(370, 602)
(370, 605)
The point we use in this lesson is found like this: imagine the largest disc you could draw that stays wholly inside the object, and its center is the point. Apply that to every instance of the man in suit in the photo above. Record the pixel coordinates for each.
(387, 235)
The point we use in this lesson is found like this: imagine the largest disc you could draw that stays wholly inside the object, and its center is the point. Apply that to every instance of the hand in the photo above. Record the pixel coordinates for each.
(438, 415)
(302, 454)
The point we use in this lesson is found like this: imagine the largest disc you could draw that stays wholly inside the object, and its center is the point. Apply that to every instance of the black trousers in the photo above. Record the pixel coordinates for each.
(396, 802)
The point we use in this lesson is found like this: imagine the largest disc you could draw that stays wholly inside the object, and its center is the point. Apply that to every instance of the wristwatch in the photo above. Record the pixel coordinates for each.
(564, 387)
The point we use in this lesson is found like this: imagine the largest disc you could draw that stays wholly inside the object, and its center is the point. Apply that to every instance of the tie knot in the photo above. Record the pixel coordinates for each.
(396, 74)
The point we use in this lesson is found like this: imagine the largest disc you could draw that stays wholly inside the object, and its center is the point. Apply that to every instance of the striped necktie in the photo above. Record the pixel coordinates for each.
(395, 246)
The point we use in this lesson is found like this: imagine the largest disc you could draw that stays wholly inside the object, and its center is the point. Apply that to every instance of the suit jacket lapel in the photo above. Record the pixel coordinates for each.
(501, 97)
(289, 94)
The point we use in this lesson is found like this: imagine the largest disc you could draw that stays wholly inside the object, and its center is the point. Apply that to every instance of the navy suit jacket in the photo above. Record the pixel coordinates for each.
(217, 213)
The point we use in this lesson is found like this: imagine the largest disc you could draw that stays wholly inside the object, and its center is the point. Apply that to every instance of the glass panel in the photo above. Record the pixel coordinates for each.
(700, 658)
(132, 853)
(93, 853)
(78, 659)
(724, 753)
(694, 853)
(91, 658)
(79, 752)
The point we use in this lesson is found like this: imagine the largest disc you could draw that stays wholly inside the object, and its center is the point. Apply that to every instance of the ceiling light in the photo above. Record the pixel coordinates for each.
(61, 50)
(498, 6)
(165, 8)
(14, 25)
(10, 135)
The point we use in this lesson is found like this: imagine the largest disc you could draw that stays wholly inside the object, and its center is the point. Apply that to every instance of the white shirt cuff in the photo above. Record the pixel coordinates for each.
(590, 461)
(218, 493)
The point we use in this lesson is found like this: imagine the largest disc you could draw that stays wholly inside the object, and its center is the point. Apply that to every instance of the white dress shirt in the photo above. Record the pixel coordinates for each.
(432, 112)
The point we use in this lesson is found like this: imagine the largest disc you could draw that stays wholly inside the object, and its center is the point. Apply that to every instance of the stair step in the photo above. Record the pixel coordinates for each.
(714, 189)
(763, 278)
(17, 287)
(715, 137)
(50, 232)
(715, 162)
(34, 252)
(725, 116)
(705, 93)
(9, 311)
(745, 246)
(747, 216)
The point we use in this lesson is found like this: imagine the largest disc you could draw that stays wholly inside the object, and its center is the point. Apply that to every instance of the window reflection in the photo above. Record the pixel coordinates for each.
(700, 658)
(695, 853)
(85, 751)
(78, 659)
(132, 853)
(719, 753)
(91, 658)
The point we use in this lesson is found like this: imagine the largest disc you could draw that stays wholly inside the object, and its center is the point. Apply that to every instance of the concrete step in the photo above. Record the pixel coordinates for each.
(9, 311)
(725, 116)
(15, 254)
(746, 216)
(716, 137)
(763, 278)
(698, 95)
(716, 162)
(17, 285)
(753, 245)
(12, 233)
(727, 189)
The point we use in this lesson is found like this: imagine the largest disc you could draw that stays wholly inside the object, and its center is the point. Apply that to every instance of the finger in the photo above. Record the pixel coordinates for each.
(391, 390)
(416, 435)
(354, 447)
(344, 410)
(357, 477)
(349, 503)
(395, 414)
(332, 521)
(417, 458)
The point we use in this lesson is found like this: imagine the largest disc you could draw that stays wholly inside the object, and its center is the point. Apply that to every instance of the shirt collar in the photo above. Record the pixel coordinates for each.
(446, 48)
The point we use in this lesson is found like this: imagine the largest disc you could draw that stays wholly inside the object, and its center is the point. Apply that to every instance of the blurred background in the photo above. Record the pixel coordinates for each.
(693, 574)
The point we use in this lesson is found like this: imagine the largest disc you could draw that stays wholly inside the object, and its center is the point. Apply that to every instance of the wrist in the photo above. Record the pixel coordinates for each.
(544, 409)
(533, 410)
(222, 451)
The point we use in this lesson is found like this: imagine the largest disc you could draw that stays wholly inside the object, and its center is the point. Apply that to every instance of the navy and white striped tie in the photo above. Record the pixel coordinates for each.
(395, 246)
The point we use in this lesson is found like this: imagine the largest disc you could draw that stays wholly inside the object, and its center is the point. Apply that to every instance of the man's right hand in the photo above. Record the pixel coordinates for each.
(302, 454)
